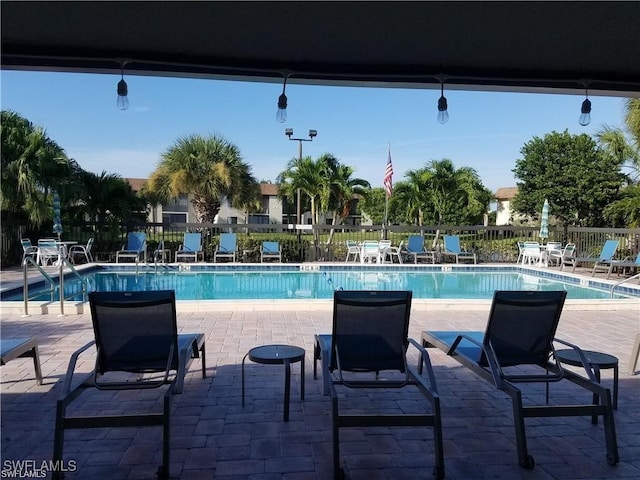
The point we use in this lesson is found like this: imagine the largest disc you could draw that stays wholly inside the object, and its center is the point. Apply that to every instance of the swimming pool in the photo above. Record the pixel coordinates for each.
(282, 282)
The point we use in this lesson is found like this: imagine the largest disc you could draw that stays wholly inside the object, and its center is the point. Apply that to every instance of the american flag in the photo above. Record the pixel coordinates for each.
(388, 176)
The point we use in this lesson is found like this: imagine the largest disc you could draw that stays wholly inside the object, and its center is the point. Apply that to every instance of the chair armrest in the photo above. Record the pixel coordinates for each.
(425, 362)
(581, 356)
(66, 387)
(494, 365)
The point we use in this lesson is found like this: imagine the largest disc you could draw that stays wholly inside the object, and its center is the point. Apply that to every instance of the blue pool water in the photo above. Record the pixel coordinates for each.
(292, 283)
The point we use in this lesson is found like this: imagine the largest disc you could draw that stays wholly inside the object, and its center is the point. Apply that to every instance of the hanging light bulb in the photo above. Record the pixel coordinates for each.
(443, 114)
(123, 91)
(585, 111)
(281, 115)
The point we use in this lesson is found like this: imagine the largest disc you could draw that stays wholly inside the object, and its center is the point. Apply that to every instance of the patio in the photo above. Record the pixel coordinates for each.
(214, 436)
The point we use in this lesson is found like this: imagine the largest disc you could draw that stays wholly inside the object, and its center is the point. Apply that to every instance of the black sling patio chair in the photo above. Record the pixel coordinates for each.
(137, 347)
(518, 347)
(369, 345)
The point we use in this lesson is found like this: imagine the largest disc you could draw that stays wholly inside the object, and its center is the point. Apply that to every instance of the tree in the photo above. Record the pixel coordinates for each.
(109, 199)
(308, 176)
(33, 166)
(626, 211)
(441, 194)
(457, 195)
(341, 188)
(209, 168)
(577, 178)
(414, 194)
(372, 204)
(624, 145)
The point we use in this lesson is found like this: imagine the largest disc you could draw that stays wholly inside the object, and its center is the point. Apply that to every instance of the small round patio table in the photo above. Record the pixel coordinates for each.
(278, 354)
(597, 361)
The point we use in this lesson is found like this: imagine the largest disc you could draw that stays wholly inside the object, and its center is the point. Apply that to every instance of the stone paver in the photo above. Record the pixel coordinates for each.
(214, 436)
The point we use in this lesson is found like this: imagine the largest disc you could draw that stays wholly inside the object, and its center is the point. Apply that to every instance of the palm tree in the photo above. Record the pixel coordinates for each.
(338, 189)
(210, 168)
(626, 211)
(414, 194)
(32, 166)
(624, 146)
(439, 193)
(457, 195)
(109, 199)
(308, 176)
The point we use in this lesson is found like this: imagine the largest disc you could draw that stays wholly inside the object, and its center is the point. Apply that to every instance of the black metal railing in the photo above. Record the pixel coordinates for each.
(326, 242)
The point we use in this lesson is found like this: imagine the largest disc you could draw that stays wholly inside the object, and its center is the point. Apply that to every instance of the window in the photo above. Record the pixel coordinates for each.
(174, 217)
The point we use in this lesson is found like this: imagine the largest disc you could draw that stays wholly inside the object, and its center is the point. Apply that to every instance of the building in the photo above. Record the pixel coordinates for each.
(504, 196)
(272, 210)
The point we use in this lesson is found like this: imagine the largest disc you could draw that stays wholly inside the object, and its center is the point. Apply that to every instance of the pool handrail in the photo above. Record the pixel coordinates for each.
(637, 275)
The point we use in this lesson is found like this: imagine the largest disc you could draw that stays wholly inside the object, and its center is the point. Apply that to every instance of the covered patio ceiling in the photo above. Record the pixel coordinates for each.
(552, 46)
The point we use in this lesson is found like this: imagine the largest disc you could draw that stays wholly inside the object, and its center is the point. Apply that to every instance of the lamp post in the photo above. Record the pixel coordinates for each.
(289, 133)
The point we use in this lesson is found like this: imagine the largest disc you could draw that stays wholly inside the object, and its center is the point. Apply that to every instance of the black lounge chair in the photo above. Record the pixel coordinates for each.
(368, 350)
(11, 348)
(137, 347)
(520, 332)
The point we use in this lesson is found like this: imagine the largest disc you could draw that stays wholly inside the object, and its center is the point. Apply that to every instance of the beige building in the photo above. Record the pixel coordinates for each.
(504, 196)
(272, 211)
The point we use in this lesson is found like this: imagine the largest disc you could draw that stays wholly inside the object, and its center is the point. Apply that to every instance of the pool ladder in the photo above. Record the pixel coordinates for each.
(52, 284)
(637, 275)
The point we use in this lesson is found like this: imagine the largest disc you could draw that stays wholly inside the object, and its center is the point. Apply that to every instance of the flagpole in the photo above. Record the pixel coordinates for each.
(386, 211)
(388, 185)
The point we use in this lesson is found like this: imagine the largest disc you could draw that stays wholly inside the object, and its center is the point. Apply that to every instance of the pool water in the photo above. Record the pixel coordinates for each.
(296, 284)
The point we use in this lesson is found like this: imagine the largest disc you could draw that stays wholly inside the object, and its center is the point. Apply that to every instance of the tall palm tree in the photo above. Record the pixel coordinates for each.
(32, 166)
(439, 193)
(109, 199)
(624, 146)
(338, 189)
(457, 195)
(413, 192)
(308, 176)
(209, 168)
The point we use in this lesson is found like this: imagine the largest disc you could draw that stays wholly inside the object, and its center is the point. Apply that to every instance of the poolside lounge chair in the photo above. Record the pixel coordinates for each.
(161, 253)
(83, 250)
(415, 250)
(520, 332)
(625, 263)
(369, 251)
(191, 248)
(137, 347)
(552, 253)
(567, 256)
(270, 250)
(136, 248)
(28, 250)
(48, 251)
(531, 253)
(635, 355)
(367, 350)
(11, 348)
(391, 252)
(228, 247)
(353, 249)
(520, 245)
(452, 248)
(602, 262)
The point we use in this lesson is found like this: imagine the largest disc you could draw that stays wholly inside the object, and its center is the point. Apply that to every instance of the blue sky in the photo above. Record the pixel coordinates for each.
(486, 130)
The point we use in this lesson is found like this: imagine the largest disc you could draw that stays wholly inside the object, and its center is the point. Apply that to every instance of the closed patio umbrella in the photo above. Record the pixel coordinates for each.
(57, 222)
(544, 221)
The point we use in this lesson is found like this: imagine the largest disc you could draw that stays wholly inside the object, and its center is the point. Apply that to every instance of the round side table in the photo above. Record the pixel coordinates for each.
(597, 361)
(278, 354)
